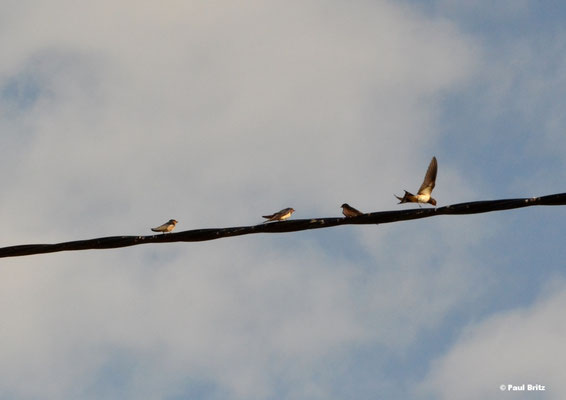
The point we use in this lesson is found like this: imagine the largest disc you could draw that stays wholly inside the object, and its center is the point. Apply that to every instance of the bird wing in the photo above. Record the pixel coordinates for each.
(277, 215)
(274, 215)
(161, 228)
(355, 211)
(430, 178)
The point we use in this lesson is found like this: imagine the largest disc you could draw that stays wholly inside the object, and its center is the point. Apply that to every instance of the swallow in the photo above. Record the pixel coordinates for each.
(166, 227)
(280, 215)
(349, 211)
(423, 195)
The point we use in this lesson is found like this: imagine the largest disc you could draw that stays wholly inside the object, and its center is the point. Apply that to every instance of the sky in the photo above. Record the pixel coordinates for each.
(117, 116)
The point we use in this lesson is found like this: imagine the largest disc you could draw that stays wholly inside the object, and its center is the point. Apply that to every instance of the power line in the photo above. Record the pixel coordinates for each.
(199, 235)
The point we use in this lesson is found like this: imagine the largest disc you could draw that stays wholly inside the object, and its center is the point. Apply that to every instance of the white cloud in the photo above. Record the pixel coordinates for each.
(274, 102)
(215, 115)
(521, 346)
(246, 324)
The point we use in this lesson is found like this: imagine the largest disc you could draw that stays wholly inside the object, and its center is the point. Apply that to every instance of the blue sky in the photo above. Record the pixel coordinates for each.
(118, 117)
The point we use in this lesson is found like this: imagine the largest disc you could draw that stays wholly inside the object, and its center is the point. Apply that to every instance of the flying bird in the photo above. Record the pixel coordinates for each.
(349, 211)
(280, 215)
(166, 227)
(423, 195)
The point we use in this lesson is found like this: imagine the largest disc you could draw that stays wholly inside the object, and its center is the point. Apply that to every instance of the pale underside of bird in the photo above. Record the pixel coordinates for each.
(166, 227)
(424, 193)
(350, 211)
(279, 215)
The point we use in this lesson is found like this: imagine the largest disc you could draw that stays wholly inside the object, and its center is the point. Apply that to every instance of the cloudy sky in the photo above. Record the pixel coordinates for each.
(117, 116)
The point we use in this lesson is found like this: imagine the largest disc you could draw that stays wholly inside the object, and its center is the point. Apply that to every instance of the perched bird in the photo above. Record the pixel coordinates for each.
(349, 211)
(280, 215)
(423, 195)
(166, 227)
